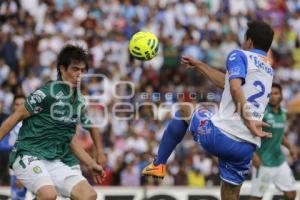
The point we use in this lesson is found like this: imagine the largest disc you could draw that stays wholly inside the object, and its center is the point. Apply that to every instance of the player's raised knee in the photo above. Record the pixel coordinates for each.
(290, 195)
(83, 191)
(92, 195)
(46, 193)
(88, 194)
(49, 196)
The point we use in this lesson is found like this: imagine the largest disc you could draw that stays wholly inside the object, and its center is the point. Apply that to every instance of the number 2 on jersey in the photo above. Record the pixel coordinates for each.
(252, 98)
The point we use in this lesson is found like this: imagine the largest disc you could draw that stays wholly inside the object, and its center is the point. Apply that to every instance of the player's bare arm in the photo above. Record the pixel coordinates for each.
(85, 158)
(100, 157)
(292, 149)
(217, 77)
(256, 160)
(240, 101)
(20, 114)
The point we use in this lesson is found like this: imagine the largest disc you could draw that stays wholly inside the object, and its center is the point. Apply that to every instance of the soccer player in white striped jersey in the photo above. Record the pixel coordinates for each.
(233, 133)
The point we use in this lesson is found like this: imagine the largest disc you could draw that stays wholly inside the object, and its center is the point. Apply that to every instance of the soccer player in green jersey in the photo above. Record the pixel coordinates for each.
(43, 156)
(268, 161)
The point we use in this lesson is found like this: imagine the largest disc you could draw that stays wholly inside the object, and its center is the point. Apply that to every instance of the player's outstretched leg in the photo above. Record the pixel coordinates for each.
(234, 156)
(172, 136)
(229, 191)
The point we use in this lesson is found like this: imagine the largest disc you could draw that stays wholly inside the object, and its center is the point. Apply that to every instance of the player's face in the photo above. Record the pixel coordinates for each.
(73, 73)
(275, 97)
(18, 102)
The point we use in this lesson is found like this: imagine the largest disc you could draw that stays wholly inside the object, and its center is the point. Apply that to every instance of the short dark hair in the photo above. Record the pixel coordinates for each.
(19, 96)
(71, 53)
(261, 35)
(278, 86)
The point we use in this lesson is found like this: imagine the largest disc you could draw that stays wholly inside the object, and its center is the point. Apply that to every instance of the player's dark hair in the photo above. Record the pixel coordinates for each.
(19, 96)
(261, 34)
(71, 53)
(278, 86)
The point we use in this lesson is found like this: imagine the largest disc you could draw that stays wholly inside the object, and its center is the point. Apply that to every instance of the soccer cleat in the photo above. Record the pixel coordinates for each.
(155, 171)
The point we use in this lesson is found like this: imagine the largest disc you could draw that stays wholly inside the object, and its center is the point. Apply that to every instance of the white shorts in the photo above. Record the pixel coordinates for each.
(35, 173)
(281, 176)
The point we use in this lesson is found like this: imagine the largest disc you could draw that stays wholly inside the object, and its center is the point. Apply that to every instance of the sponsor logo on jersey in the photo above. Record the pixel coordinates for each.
(37, 109)
(40, 93)
(257, 115)
(278, 125)
(59, 95)
(59, 112)
(203, 128)
(37, 170)
(261, 65)
(234, 71)
(37, 97)
(31, 159)
(232, 57)
(243, 172)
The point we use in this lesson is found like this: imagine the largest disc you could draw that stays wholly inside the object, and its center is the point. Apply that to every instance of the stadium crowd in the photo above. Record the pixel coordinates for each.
(33, 32)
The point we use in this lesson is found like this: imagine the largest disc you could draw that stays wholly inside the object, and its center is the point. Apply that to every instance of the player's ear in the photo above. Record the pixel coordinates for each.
(281, 97)
(62, 69)
(248, 44)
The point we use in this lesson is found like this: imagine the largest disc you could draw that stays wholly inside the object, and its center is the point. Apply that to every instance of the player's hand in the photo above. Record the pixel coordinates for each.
(293, 152)
(256, 128)
(190, 62)
(19, 184)
(256, 161)
(97, 172)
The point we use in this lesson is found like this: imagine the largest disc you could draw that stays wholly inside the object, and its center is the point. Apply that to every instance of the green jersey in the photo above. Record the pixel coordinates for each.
(270, 151)
(47, 133)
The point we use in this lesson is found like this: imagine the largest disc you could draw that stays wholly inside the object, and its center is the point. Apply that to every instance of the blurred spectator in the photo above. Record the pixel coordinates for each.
(196, 178)
(214, 55)
(296, 54)
(8, 8)
(180, 178)
(168, 179)
(9, 52)
(4, 71)
(130, 175)
(170, 51)
(3, 116)
(4, 155)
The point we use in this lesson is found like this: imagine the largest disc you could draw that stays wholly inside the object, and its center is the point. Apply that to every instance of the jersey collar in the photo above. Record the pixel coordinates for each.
(271, 110)
(261, 52)
(65, 86)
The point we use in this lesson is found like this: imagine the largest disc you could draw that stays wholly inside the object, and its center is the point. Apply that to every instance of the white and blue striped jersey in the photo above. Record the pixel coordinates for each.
(257, 75)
